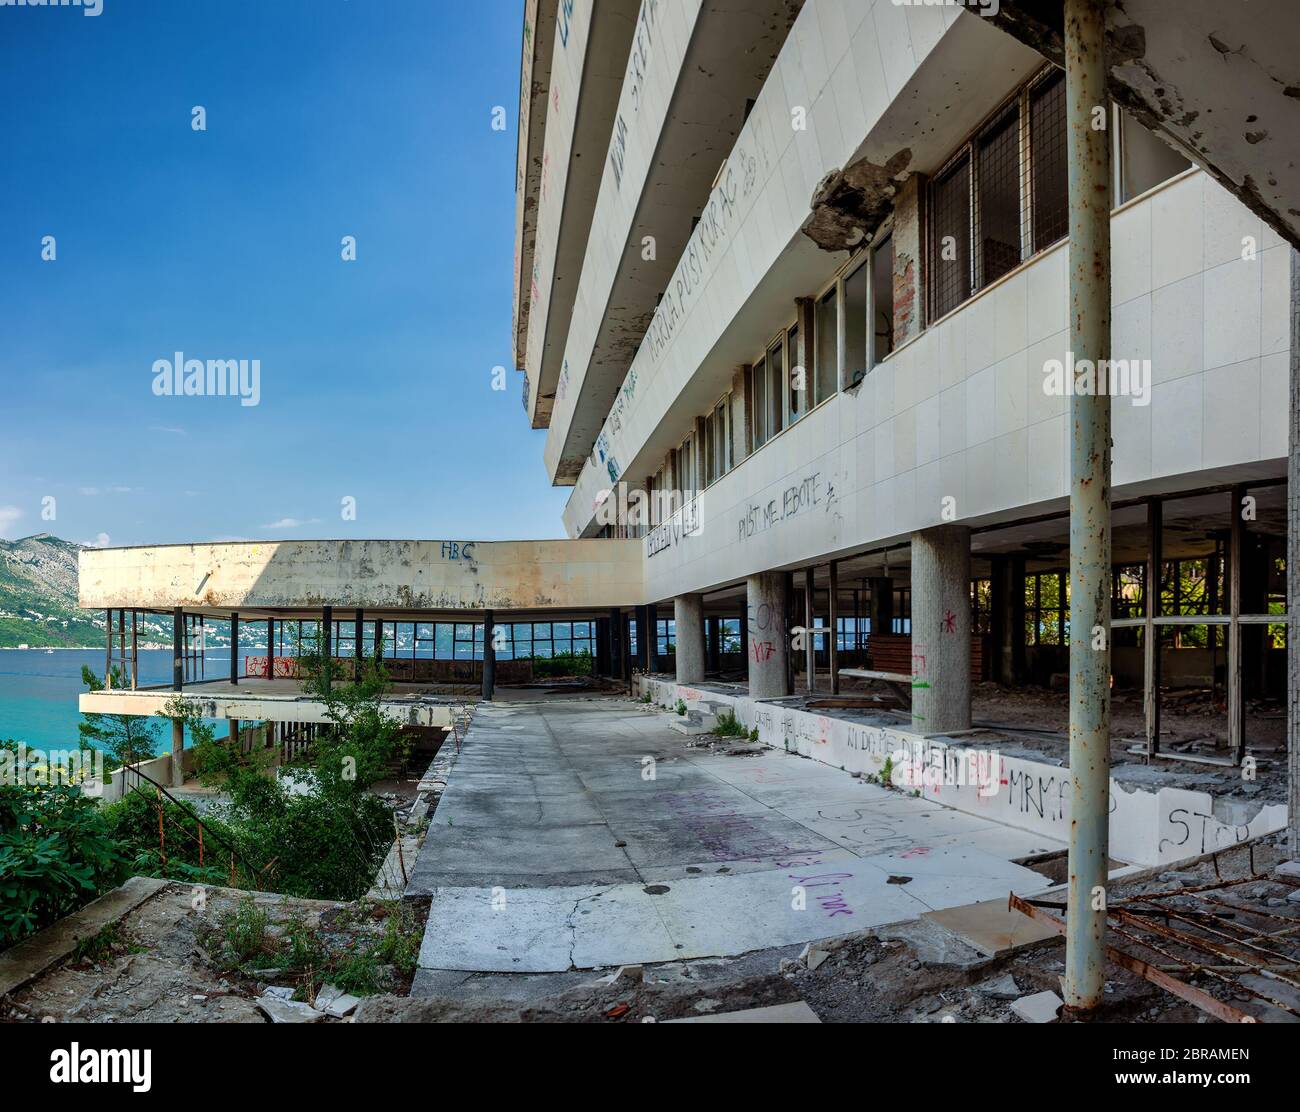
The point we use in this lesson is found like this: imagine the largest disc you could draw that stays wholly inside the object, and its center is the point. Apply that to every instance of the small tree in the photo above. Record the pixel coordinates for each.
(123, 738)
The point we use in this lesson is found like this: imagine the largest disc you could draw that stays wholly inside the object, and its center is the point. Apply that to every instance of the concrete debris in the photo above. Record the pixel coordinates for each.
(279, 1010)
(1287, 870)
(813, 955)
(1042, 1007)
(333, 1001)
(1000, 988)
(280, 992)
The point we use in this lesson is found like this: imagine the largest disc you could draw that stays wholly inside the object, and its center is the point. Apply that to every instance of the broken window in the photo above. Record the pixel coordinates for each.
(882, 299)
(827, 356)
(1143, 159)
(856, 324)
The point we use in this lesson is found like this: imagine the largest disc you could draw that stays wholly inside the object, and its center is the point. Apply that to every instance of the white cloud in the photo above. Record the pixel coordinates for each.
(291, 523)
(102, 540)
(167, 428)
(8, 515)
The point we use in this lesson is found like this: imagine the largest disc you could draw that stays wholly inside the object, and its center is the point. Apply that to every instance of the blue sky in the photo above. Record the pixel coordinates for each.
(325, 118)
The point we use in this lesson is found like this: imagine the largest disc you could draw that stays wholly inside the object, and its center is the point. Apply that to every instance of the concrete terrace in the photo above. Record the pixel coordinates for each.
(553, 849)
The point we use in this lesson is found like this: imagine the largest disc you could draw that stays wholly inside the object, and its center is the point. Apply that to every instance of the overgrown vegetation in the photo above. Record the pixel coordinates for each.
(729, 725)
(366, 948)
(57, 851)
(681, 706)
(562, 664)
(122, 738)
(316, 833)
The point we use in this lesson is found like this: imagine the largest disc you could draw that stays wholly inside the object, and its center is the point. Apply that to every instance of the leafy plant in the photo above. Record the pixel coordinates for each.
(124, 738)
(681, 706)
(57, 852)
(729, 725)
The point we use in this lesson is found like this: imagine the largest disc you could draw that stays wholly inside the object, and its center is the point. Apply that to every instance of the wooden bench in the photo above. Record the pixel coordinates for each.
(899, 683)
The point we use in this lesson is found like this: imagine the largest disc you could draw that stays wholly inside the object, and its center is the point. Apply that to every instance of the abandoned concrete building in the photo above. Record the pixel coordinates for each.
(797, 301)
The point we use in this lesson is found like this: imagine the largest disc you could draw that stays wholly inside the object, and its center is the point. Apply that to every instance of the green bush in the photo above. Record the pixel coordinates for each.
(562, 664)
(57, 853)
(729, 725)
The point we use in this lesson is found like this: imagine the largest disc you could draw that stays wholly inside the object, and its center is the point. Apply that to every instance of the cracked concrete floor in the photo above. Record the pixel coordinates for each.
(576, 835)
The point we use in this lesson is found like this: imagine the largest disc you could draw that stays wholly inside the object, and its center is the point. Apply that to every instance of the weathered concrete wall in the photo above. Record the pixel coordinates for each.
(395, 575)
(1147, 827)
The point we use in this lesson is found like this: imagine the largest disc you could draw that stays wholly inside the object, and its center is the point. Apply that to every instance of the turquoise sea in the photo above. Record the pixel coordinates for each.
(39, 689)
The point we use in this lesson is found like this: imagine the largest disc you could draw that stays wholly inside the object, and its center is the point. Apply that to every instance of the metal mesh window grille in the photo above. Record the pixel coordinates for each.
(997, 197)
(950, 272)
(1048, 174)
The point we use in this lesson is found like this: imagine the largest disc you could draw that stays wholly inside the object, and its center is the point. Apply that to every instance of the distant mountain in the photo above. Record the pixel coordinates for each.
(38, 597)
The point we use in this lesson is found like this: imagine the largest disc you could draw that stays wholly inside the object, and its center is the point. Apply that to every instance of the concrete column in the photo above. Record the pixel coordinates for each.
(1007, 620)
(270, 648)
(178, 754)
(688, 616)
(489, 657)
(809, 641)
(234, 649)
(357, 655)
(941, 629)
(178, 651)
(326, 643)
(615, 638)
(880, 608)
(767, 641)
(713, 629)
(652, 638)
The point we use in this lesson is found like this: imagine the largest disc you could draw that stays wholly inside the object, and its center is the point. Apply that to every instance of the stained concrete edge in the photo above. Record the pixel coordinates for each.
(27, 960)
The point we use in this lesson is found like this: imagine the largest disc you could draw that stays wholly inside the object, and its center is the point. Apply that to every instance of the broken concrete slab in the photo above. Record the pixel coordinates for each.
(1042, 1007)
(814, 956)
(990, 927)
(278, 1010)
(333, 1001)
(797, 1012)
(999, 988)
(27, 960)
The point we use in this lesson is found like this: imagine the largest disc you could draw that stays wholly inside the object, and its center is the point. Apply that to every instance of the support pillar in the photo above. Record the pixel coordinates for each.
(766, 641)
(880, 608)
(1151, 659)
(178, 651)
(941, 629)
(652, 638)
(1090, 544)
(234, 649)
(379, 641)
(359, 619)
(270, 648)
(1293, 575)
(325, 644)
(615, 643)
(178, 753)
(688, 618)
(833, 622)
(809, 641)
(489, 657)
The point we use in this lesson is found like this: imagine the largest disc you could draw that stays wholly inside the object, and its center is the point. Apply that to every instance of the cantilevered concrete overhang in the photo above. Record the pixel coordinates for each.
(733, 307)
(1219, 77)
(384, 577)
(685, 98)
(267, 701)
(589, 57)
(534, 95)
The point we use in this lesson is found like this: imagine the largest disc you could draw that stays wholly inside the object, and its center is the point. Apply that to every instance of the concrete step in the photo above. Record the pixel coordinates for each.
(687, 727)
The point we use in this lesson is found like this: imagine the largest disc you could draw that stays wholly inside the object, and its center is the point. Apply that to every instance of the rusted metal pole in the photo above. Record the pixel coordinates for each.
(1293, 574)
(1090, 546)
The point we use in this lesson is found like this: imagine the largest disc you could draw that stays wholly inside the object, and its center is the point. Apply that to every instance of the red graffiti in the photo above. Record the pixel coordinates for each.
(763, 650)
